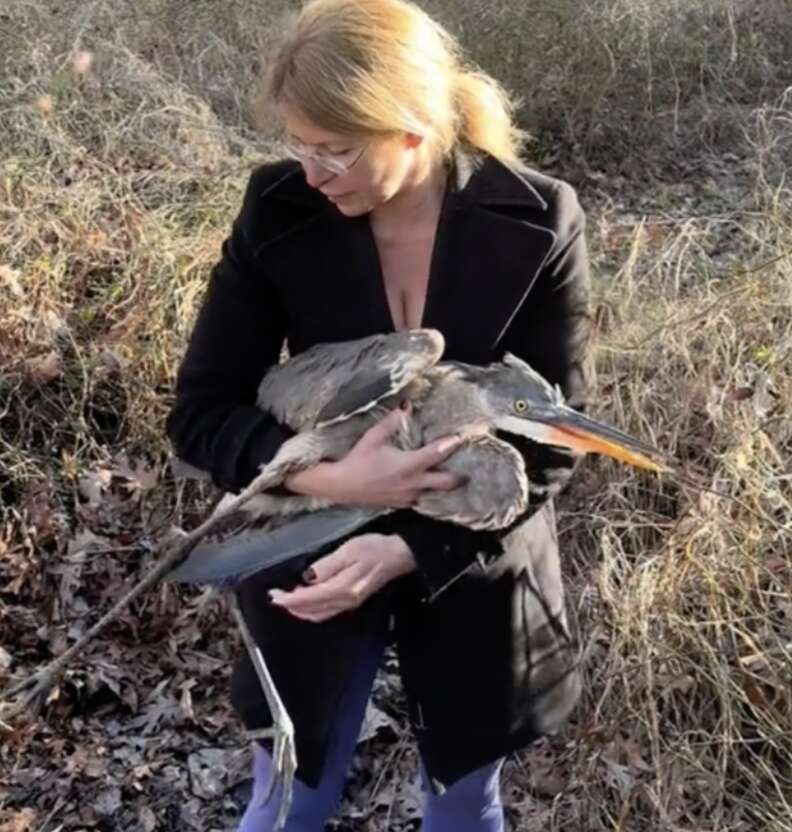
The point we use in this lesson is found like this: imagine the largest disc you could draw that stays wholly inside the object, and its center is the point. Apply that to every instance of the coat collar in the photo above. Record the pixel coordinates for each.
(494, 236)
(479, 178)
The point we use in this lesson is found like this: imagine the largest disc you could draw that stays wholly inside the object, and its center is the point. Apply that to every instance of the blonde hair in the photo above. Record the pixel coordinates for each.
(386, 67)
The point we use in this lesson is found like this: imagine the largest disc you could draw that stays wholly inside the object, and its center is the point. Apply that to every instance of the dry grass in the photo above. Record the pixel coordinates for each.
(683, 593)
(117, 185)
(631, 83)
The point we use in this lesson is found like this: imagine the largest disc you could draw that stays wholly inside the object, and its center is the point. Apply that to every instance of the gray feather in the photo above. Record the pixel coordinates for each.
(350, 399)
(329, 382)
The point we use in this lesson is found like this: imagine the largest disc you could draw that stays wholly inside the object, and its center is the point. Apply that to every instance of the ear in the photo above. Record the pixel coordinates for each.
(412, 140)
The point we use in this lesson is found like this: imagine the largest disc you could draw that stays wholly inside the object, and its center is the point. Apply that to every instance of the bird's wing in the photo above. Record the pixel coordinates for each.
(226, 562)
(362, 393)
(494, 490)
(331, 382)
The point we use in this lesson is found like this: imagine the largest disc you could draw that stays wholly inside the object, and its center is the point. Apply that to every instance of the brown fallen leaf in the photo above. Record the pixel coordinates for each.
(767, 696)
(94, 484)
(39, 511)
(632, 753)
(139, 475)
(548, 782)
(45, 368)
(21, 821)
(83, 542)
(85, 761)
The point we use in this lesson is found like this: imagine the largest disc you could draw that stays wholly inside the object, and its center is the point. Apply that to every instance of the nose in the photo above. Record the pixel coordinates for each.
(315, 174)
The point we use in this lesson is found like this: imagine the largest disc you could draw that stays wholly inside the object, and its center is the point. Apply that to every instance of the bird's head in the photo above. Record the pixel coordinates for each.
(520, 401)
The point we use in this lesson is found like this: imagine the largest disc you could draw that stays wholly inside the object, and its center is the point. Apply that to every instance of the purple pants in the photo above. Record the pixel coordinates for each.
(472, 804)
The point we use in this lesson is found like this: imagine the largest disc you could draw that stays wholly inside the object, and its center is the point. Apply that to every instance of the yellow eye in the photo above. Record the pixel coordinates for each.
(521, 405)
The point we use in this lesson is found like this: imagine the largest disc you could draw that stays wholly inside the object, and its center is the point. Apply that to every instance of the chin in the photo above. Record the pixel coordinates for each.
(353, 208)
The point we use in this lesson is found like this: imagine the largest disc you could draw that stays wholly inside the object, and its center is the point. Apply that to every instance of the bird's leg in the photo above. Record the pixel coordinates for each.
(284, 755)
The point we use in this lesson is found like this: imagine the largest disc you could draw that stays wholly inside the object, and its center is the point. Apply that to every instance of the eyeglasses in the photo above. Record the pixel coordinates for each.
(336, 163)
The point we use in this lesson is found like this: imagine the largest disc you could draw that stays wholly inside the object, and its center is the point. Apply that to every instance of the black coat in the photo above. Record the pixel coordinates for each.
(488, 664)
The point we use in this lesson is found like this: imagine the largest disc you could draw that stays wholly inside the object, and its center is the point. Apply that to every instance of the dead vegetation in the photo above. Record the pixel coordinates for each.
(125, 150)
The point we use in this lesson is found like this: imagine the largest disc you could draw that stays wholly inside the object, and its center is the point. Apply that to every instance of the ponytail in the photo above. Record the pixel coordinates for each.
(486, 118)
(383, 66)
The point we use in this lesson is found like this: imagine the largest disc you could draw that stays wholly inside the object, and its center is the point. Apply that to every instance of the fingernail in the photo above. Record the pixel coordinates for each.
(273, 596)
(448, 444)
(309, 576)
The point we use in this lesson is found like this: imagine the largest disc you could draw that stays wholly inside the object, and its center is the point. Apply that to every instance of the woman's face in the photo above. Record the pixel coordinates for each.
(380, 166)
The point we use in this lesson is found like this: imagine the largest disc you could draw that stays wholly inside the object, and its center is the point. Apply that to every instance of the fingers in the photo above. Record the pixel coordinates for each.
(351, 596)
(342, 580)
(383, 430)
(306, 597)
(344, 591)
(435, 452)
(319, 614)
(328, 566)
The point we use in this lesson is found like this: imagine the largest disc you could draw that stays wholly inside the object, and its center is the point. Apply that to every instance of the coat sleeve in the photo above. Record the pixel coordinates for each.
(214, 423)
(551, 332)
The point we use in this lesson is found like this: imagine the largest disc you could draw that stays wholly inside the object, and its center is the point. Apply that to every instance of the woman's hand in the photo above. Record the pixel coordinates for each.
(376, 473)
(345, 578)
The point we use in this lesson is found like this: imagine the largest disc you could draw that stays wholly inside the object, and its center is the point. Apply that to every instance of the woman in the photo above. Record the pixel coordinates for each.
(407, 205)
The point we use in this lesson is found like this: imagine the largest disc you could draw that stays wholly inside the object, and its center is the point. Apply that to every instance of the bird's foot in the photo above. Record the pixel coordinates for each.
(284, 752)
(284, 763)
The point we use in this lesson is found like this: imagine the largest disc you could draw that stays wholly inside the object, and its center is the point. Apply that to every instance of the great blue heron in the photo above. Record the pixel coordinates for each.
(330, 395)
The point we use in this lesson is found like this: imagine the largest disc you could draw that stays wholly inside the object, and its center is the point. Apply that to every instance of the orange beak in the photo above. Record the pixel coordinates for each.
(563, 426)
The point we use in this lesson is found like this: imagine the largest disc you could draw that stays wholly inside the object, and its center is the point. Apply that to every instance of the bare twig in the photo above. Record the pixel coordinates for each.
(38, 685)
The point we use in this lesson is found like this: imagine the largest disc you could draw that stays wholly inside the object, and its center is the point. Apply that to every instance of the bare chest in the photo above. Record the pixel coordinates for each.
(405, 275)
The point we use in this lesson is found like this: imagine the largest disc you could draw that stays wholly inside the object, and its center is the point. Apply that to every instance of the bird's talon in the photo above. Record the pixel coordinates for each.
(284, 766)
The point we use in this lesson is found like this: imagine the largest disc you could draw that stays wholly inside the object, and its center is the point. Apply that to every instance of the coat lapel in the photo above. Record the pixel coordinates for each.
(490, 250)
(492, 241)
(324, 265)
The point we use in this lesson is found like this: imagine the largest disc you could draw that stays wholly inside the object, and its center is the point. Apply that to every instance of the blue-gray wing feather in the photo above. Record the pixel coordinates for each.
(226, 562)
